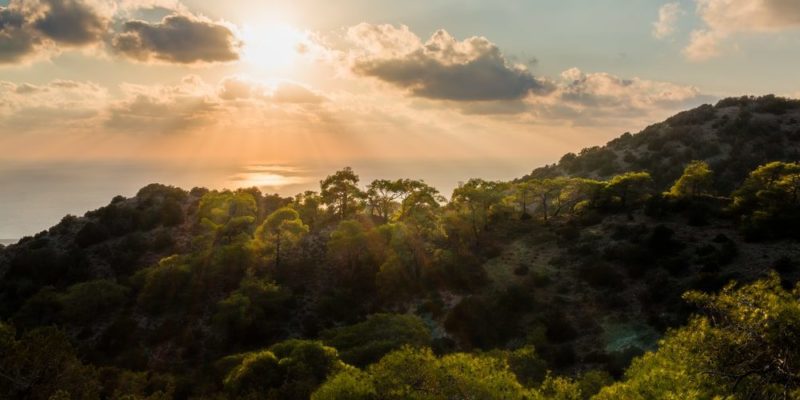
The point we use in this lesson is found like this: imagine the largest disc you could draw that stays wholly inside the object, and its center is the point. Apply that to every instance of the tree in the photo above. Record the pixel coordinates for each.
(417, 193)
(366, 342)
(769, 200)
(630, 189)
(281, 229)
(402, 199)
(42, 365)
(348, 244)
(308, 205)
(523, 195)
(382, 196)
(166, 285)
(288, 370)
(476, 198)
(226, 217)
(547, 192)
(340, 192)
(696, 180)
(252, 313)
(742, 346)
(86, 301)
(418, 374)
(350, 384)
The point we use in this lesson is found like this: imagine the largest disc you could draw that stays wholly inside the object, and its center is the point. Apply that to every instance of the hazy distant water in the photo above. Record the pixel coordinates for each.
(34, 197)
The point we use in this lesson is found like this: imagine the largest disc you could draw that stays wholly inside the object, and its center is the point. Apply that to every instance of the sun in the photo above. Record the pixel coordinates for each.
(271, 45)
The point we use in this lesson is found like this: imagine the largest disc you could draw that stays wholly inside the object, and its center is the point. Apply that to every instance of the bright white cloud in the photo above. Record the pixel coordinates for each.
(725, 18)
(668, 16)
(600, 98)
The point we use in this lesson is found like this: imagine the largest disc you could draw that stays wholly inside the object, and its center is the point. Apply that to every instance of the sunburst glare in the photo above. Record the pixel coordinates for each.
(271, 45)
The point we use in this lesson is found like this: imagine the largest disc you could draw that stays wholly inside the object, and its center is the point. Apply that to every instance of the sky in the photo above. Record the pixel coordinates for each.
(100, 97)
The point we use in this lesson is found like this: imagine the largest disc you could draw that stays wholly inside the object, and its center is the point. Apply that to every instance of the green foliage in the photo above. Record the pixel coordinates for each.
(41, 365)
(129, 385)
(697, 180)
(739, 349)
(350, 384)
(86, 301)
(384, 196)
(526, 364)
(769, 200)
(553, 197)
(280, 231)
(338, 261)
(252, 313)
(366, 342)
(308, 205)
(417, 374)
(341, 194)
(350, 244)
(629, 189)
(42, 309)
(287, 370)
(406, 261)
(165, 286)
(226, 217)
(473, 202)
(557, 388)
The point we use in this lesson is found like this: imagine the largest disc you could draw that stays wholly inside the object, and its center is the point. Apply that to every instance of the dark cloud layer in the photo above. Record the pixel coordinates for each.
(34, 27)
(446, 69)
(71, 22)
(16, 42)
(177, 39)
(28, 26)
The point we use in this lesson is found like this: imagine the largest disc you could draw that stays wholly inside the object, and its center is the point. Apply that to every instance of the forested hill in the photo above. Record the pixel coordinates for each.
(661, 266)
(734, 137)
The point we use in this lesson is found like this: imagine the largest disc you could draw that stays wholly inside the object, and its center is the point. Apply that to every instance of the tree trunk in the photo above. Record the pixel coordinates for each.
(278, 251)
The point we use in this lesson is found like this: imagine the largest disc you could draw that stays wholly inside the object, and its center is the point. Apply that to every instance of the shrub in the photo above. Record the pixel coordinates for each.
(88, 301)
(366, 342)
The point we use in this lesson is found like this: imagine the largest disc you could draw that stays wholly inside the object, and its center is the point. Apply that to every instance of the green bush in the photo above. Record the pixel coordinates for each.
(366, 342)
(87, 301)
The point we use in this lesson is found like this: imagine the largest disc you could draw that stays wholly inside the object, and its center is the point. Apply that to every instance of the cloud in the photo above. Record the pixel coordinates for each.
(749, 15)
(71, 22)
(667, 19)
(17, 42)
(602, 98)
(238, 88)
(164, 109)
(69, 105)
(37, 27)
(725, 18)
(441, 68)
(194, 105)
(703, 45)
(41, 28)
(474, 77)
(293, 93)
(182, 39)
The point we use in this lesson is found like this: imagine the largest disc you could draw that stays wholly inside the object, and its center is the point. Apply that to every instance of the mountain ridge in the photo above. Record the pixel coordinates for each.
(768, 126)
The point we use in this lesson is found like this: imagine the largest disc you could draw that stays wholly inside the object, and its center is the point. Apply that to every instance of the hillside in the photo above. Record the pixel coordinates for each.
(575, 269)
(734, 136)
